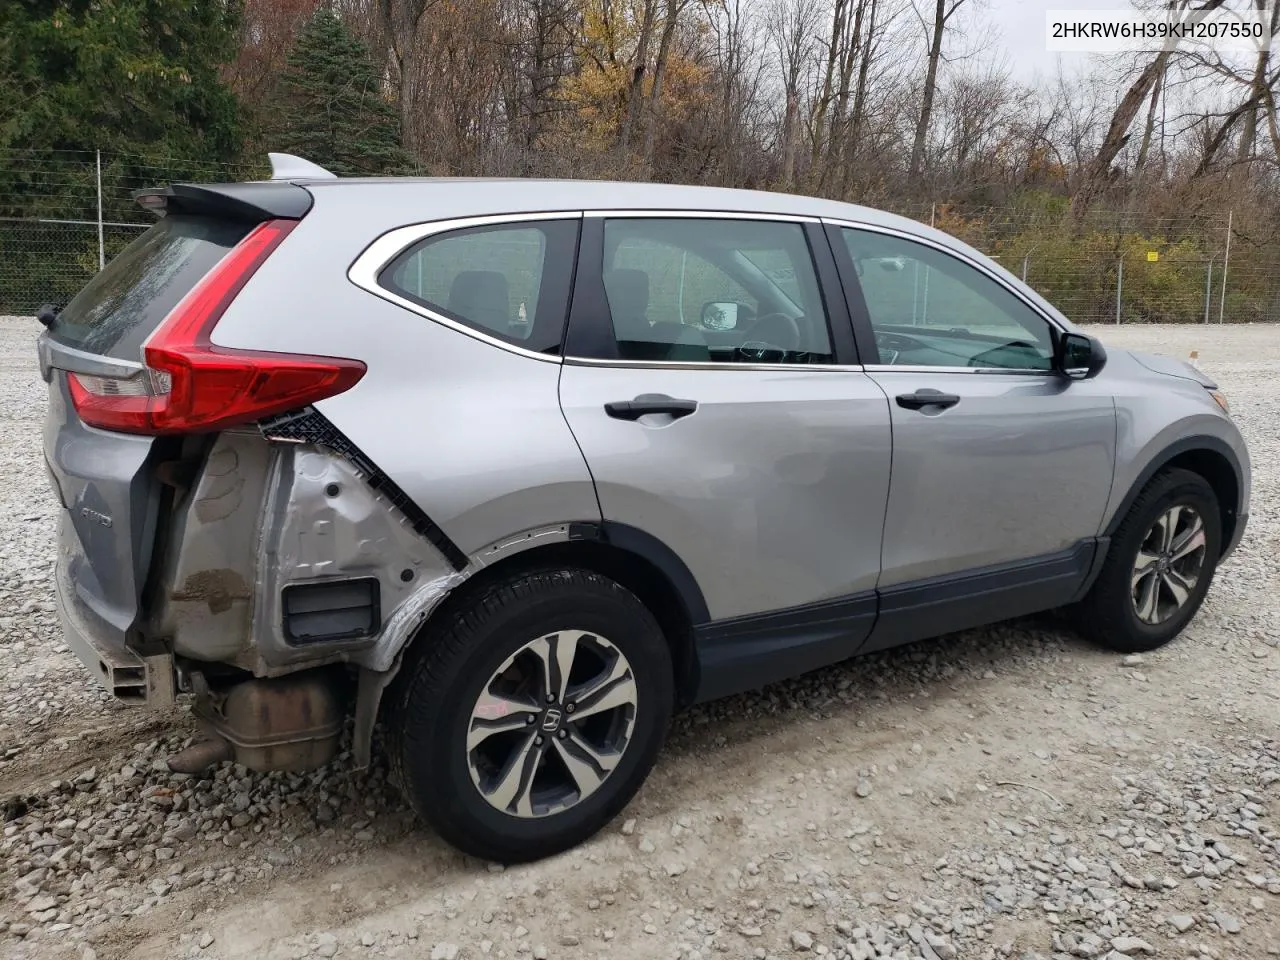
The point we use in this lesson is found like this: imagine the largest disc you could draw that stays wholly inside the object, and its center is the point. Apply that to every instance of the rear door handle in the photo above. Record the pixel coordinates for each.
(924, 397)
(650, 403)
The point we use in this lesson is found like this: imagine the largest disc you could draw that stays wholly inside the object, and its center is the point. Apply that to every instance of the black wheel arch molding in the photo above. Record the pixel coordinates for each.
(1204, 454)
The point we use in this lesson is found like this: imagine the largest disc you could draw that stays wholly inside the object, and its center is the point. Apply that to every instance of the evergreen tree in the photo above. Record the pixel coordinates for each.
(334, 110)
(138, 80)
(134, 77)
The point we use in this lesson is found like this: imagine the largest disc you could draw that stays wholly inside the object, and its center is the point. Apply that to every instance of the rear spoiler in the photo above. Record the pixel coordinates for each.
(246, 202)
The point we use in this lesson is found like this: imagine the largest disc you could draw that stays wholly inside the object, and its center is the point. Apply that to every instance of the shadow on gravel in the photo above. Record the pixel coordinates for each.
(132, 825)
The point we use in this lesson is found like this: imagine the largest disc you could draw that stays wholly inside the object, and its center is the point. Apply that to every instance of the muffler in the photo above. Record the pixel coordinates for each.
(288, 723)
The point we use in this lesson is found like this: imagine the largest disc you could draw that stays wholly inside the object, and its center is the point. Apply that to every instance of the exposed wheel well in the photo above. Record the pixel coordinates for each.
(1221, 476)
(636, 573)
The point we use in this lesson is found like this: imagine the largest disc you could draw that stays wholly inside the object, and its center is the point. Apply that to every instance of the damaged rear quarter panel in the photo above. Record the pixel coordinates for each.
(205, 600)
(262, 516)
(323, 522)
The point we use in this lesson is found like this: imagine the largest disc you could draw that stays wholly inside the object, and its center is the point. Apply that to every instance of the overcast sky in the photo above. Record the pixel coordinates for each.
(1022, 32)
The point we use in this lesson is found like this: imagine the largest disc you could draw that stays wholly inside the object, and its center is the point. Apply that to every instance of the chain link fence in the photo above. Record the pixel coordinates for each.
(63, 214)
(1119, 266)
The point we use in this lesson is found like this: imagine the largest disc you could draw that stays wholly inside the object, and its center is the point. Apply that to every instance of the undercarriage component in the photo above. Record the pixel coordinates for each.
(201, 756)
(288, 723)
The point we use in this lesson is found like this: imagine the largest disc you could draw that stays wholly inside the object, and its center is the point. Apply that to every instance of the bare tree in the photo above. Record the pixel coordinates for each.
(1126, 110)
(540, 56)
(792, 28)
(943, 11)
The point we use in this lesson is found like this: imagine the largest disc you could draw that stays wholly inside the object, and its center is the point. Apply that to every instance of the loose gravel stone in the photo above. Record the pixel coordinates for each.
(1024, 791)
(801, 941)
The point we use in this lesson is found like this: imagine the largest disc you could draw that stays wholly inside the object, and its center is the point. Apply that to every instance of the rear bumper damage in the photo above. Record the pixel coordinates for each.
(287, 581)
(284, 588)
(128, 676)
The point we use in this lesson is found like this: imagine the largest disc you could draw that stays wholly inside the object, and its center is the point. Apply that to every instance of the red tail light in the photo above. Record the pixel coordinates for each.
(194, 386)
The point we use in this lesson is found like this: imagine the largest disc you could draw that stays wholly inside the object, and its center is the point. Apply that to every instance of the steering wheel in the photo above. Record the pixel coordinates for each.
(897, 342)
(777, 330)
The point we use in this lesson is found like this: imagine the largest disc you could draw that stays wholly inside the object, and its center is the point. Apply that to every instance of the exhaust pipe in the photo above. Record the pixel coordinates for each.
(199, 757)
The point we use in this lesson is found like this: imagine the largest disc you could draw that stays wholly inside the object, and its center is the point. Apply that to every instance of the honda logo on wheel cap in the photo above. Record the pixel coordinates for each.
(551, 719)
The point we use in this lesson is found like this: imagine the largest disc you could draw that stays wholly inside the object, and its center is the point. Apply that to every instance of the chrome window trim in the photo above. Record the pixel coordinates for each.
(913, 368)
(969, 261)
(364, 270)
(701, 365)
(664, 214)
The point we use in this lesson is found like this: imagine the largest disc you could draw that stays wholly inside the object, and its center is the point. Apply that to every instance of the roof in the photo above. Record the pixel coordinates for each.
(526, 195)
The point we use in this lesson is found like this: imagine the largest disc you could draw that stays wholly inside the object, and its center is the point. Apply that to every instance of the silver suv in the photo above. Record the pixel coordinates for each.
(519, 468)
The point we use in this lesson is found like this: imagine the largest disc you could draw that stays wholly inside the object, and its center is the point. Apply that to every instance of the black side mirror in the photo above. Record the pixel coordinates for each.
(47, 314)
(1080, 356)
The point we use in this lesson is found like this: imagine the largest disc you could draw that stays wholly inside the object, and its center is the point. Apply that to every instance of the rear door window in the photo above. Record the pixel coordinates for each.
(119, 308)
(509, 280)
(714, 291)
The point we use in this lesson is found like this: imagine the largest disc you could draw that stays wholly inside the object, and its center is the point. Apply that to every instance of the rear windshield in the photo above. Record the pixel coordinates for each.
(117, 310)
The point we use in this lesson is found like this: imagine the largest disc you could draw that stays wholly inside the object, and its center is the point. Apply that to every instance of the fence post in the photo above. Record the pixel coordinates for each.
(1226, 258)
(1119, 285)
(102, 249)
(1208, 288)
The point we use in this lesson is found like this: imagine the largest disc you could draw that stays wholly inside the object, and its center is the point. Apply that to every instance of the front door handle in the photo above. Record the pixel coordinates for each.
(924, 397)
(650, 403)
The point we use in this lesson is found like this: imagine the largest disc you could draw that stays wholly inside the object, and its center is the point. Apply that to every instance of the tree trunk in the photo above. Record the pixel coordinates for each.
(1249, 122)
(1220, 136)
(940, 15)
(1118, 132)
(1099, 169)
(859, 100)
(789, 130)
(818, 117)
(1147, 130)
(402, 22)
(839, 119)
(635, 92)
(674, 9)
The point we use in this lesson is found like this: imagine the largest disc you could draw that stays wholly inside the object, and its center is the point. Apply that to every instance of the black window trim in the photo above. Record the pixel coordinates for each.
(368, 265)
(863, 331)
(590, 342)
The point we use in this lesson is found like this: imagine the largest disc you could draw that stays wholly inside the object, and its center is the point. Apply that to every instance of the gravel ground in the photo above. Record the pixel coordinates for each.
(1007, 792)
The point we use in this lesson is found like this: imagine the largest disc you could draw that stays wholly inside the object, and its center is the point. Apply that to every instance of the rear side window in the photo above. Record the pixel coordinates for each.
(510, 281)
(118, 309)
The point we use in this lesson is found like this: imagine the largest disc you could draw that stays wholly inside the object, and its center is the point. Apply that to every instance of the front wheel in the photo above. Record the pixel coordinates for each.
(532, 716)
(1158, 567)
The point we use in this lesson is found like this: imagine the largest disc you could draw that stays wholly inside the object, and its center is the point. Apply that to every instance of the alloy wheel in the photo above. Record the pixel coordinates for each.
(551, 724)
(1169, 565)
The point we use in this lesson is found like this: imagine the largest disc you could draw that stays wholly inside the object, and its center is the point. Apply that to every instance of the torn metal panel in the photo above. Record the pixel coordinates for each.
(205, 599)
(323, 523)
(311, 427)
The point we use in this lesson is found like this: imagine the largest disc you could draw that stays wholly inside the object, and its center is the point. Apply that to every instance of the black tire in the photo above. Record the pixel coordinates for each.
(1108, 615)
(452, 663)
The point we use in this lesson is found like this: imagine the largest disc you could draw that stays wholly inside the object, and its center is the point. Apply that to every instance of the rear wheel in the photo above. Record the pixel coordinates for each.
(1158, 567)
(532, 716)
